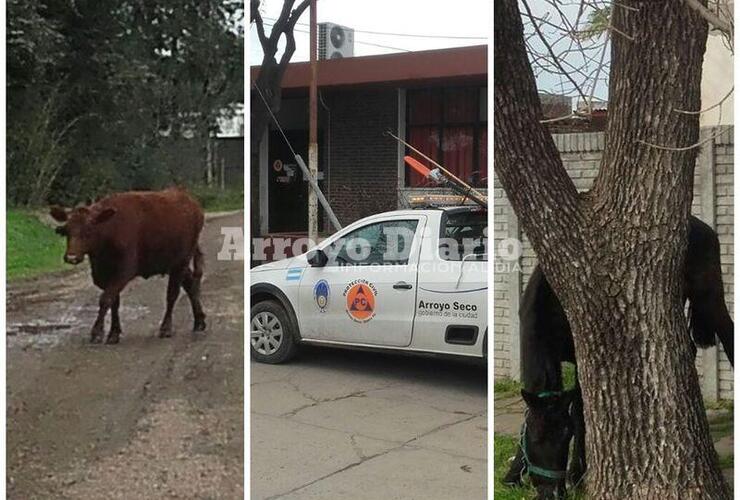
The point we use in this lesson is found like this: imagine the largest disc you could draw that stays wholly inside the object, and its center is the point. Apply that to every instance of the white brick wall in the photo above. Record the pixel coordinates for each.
(581, 155)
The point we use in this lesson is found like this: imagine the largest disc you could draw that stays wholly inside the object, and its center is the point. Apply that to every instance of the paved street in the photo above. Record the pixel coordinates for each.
(343, 424)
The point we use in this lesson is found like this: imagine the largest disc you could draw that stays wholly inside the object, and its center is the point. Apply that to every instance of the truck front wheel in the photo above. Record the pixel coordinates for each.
(271, 335)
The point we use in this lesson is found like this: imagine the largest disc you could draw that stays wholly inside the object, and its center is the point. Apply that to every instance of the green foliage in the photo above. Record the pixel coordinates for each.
(108, 95)
(598, 23)
(569, 376)
(33, 248)
(215, 200)
(36, 150)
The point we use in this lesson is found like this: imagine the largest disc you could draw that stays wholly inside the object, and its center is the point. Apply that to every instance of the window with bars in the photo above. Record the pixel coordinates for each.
(450, 126)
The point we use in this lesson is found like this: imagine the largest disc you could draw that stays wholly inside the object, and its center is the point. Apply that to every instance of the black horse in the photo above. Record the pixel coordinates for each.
(555, 416)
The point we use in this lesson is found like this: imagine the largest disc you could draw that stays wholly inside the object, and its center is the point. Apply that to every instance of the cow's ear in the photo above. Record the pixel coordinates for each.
(58, 213)
(104, 215)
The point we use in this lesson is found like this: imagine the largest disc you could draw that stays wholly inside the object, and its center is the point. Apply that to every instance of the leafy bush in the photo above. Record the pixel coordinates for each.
(213, 199)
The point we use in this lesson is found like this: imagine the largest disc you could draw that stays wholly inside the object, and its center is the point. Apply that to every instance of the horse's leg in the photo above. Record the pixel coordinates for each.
(578, 461)
(513, 478)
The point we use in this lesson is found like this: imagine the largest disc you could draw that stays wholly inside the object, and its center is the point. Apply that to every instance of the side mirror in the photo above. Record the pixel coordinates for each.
(317, 258)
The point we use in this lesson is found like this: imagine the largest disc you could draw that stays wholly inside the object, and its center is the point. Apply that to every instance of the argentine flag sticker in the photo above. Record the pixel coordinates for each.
(294, 274)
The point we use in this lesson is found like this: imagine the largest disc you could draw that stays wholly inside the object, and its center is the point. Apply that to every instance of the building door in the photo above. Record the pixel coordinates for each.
(287, 190)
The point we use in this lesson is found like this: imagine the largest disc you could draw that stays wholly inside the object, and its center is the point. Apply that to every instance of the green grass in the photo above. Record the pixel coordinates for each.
(506, 388)
(726, 462)
(721, 425)
(504, 448)
(32, 247)
(720, 404)
(214, 200)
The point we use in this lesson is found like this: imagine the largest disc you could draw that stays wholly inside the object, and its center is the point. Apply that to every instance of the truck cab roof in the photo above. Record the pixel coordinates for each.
(435, 210)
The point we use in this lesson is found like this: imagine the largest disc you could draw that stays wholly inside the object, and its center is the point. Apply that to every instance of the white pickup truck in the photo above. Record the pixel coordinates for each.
(408, 280)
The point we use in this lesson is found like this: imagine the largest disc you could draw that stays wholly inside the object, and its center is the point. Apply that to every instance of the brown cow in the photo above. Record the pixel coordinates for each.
(137, 234)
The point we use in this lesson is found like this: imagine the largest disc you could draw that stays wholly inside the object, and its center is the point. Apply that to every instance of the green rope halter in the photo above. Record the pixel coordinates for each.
(556, 475)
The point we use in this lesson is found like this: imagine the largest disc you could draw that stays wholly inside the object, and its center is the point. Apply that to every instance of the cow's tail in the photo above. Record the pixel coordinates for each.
(198, 263)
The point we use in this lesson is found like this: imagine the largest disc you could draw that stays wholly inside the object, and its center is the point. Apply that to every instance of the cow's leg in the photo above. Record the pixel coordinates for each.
(173, 291)
(115, 322)
(191, 284)
(107, 299)
(517, 468)
(578, 461)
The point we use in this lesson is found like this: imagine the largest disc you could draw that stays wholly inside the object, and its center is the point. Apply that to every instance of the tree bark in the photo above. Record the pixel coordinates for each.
(615, 255)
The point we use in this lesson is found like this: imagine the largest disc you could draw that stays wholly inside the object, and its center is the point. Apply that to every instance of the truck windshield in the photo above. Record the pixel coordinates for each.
(464, 233)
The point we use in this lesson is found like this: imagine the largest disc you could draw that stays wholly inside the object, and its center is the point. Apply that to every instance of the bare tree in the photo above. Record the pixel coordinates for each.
(271, 73)
(268, 84)
(614, 255)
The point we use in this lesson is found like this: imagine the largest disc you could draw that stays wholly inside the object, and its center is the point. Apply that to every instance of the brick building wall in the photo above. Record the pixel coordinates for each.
(363, 163)
(581, 153)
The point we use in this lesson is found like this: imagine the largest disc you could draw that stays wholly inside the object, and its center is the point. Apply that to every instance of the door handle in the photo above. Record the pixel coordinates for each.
(402, 285)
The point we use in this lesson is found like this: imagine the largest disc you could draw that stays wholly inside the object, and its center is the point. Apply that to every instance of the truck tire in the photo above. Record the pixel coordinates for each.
(271, 336)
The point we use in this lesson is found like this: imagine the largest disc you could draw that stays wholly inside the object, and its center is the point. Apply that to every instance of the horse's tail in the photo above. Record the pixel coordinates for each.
(708, 314)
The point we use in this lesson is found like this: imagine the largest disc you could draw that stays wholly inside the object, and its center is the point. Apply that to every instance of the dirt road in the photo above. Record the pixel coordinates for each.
(148, 418)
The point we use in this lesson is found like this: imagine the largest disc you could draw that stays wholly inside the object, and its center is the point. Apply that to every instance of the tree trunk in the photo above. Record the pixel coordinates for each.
(615, 255)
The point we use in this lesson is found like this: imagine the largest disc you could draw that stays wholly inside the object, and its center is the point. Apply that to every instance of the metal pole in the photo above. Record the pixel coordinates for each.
(313, 147)
(315, 188)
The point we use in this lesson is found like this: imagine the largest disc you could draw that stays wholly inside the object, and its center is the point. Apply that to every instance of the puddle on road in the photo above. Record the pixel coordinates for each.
(71, 324)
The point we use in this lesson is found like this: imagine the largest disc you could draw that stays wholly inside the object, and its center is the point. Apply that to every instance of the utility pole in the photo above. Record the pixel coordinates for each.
(313, 147)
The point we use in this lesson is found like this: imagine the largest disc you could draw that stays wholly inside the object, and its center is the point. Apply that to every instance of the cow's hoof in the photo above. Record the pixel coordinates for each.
(199, 325)
(96, 339)
(112, 339)
(165, 333)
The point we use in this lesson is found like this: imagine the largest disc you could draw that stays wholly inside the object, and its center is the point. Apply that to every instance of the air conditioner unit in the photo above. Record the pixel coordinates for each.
(335, 41)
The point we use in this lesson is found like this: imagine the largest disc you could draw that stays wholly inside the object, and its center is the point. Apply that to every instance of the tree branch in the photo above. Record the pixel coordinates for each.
(712, 18)
(257, 20)
(289, 34)
(684, 148)
(527, 161)
(555, 59)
